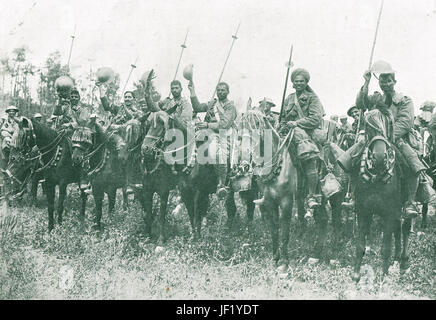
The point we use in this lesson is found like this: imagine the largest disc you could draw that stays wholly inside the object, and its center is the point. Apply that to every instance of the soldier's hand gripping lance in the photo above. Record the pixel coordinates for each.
(235, 37)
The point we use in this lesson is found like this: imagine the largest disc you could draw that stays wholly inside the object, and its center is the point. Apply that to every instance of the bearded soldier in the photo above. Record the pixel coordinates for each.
(400, 109)
(220, 115)
(303, 113)
(178, 108)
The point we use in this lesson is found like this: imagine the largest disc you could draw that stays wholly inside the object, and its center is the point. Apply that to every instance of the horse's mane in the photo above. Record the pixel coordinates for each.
(43, 131)
(101, 136)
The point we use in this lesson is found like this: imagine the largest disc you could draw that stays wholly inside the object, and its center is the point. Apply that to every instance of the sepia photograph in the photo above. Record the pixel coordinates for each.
(222, 153)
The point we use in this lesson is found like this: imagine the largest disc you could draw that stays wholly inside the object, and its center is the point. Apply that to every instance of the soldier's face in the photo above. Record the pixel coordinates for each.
(222, 92)
(176, 90)
(38, 120)
(386, 82)
(12, 114)
(128, 99)
(75, 98)
(300, 83)
(355, 114)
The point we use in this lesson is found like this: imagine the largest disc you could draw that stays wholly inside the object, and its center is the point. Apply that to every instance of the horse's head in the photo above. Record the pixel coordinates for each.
(153, 141)
(82, 144)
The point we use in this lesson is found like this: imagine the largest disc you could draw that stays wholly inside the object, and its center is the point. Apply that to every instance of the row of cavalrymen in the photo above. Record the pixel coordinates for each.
(303, 113)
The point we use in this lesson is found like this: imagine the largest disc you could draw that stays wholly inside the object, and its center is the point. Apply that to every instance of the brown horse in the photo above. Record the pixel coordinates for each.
(379, 191)
(55, 164)
(157, 176)
(105, 171)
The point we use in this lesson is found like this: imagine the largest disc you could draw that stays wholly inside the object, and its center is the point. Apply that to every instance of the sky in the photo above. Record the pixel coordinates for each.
(332, 39)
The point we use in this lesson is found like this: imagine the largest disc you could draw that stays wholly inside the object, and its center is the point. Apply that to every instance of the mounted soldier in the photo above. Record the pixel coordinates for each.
(178, 110)
(220, 116)
(9, 130)
(303, 113)
(399, 108)
(265, 106)
(126, 114)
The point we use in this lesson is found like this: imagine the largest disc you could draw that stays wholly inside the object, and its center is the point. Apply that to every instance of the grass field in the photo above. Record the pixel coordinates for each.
(74, 263)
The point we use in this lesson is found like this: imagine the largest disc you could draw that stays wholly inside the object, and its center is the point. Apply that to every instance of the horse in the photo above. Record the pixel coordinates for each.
(54, 161)
(157, 175)
(105, 172)
(277, 179)
(379, 191)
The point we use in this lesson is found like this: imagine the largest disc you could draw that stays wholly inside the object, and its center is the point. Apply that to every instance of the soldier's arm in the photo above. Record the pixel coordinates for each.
(316, 112)
(227, 119)
(197, 106)
(404, 119)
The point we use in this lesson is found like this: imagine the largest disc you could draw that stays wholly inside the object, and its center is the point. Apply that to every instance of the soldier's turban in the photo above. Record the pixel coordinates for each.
(300, 72)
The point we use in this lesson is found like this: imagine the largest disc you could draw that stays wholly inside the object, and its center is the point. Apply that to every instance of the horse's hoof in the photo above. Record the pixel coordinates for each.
(355, 277)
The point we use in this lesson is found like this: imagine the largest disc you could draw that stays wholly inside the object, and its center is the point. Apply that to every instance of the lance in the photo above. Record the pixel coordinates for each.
(370, 63)
(133, 66)
(289, 65)
(228, 55)
(181, 54)
(71, 47)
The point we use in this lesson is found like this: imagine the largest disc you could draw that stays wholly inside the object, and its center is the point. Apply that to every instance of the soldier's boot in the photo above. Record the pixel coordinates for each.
(411, 209)
(310, 168)
(222, 190)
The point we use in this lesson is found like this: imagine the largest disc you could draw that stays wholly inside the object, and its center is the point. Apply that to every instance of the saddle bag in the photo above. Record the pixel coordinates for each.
(330, 185)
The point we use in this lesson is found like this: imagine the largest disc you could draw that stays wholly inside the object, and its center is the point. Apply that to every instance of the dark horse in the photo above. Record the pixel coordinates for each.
(379, 191)
(56, 165)
(105, 170)
(157, 175)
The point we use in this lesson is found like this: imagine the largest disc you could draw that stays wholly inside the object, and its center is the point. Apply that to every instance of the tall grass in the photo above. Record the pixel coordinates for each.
(73, 262)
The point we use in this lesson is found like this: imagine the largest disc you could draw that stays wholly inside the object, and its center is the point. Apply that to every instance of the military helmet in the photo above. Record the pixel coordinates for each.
(428, 106)
(37, 116)
(267, 100)
(11, 108)
(382, 67)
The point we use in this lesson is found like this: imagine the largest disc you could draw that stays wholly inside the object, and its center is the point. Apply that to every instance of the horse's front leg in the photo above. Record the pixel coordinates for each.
(98, 195)
(404, 263)
(163, 211)
(387, 245)
(62, 196)
(84, 199)
(50, 190)
(321, 220)
(231, 210)
(147, 206)
(271, 212)
(284, 227)
(363, 225)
